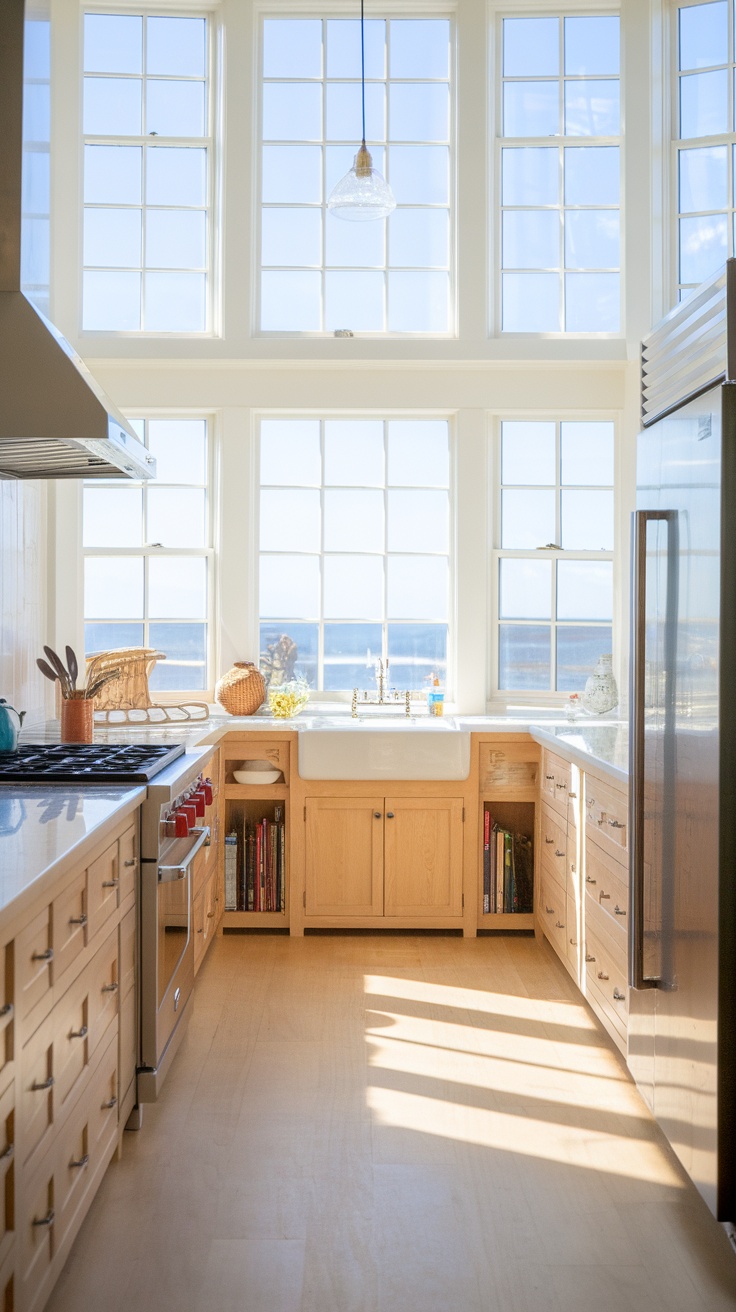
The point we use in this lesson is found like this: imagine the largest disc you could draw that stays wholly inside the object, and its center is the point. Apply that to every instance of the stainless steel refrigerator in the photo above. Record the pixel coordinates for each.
(682, 948)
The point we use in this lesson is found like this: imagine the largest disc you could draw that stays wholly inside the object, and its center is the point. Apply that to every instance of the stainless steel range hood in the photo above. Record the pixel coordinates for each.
(55, 421)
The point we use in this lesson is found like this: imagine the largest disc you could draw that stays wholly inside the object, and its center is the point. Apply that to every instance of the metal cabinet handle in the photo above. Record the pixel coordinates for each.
(559, 924)
(41, 1088)
(132, 862)
(549, 776)
(389, 815)
(590, 801)
(572, 794)
(6, 1009)
(377, 815)
(110, 883)
(602, 974)
(574, 942)
(549, 840)
(619, 996)
(111, 1102)
(110, 988)
(200, 931)
(617, 824)
(79, 1034)
(48, 1219)
(550, 910)
(589, 957)
(78, 920)
(558, 852)
(560, 785)
(7, 1153)
(48, 955)
(617, 911)
(590, 880)
(82, 1161)
(604, 897)
(573, 868)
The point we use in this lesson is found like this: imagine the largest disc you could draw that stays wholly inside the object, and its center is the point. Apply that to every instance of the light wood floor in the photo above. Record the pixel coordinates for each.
(408, 1124)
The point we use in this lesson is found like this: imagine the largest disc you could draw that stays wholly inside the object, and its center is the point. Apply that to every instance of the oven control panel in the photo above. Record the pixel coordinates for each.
(186, 813)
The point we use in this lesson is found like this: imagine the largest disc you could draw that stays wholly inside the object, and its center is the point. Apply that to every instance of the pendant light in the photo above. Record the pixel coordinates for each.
(363, 193)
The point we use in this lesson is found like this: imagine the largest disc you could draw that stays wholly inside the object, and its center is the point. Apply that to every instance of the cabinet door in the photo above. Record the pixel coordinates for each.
(424, 856)
(344, 856)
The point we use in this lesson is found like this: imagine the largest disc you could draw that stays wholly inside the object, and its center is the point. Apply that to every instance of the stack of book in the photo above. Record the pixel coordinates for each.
(508, 869)
(255, 865)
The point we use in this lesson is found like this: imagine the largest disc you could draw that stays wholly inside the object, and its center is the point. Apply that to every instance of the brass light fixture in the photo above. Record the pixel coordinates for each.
(363, 193)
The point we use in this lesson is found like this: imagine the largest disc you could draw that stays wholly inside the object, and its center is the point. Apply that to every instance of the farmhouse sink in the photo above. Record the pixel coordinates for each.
(343, 748)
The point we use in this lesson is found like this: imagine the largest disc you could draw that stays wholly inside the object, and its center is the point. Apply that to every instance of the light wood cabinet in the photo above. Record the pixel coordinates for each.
(344, 856)
(423, 857)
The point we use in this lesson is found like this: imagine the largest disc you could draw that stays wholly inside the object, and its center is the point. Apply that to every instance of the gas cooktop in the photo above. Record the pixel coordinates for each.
(76, 763)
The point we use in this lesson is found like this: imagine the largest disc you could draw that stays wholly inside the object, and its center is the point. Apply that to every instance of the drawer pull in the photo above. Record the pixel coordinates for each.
(550, 910)
(130, 863)
(602, 974)
(48, 955)
(376, 815)
(549, 776)
(559, 924)
(200, 931)
(82, 1162)
(617, 824)
(389, 815)
(79, 1034)
(574, 795)
(111, 1102)
(37, 1087)
(110, 988)
(210, 915)
(618, 996)
(7, 1153)
(590, 880)
(78, 920)
(617, 911)
(561, 786)
(604, 897)
(573, 868)
(574, 942)
(6, 1009)
(110, 883)
(47, 1220)
(558, 852)
(549, 840)
(589, 957)
(590, 801)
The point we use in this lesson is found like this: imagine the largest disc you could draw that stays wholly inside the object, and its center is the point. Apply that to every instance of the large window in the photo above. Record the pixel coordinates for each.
(320, 273)
(560, 175)
(355, 548)
(147, 557)
(705, 140)
(554, 556)
(147, 164)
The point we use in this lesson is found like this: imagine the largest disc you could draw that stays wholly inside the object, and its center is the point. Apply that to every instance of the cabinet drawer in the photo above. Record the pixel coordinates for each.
(36, 1225)
(607, 818)
(34, 962)
(128, 952)
(516, 765)
(103, 1103)
(102, 889)
(607, 976)
(128, 862)
(7, 1173)
(8, 1301)
(198, 928)
(554, 843)
(69, 918)
(127, 1043)
(36, 1097)
(104, 991)
(74, 1168)
(607, 893)
(555, 781)
(72, 1043)
(199, 868)
(552, 914)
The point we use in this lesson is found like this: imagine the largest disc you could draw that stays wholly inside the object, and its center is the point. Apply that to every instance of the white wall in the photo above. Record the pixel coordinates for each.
(23, 596)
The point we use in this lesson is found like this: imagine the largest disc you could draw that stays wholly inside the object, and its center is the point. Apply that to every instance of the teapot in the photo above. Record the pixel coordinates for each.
(8, 730)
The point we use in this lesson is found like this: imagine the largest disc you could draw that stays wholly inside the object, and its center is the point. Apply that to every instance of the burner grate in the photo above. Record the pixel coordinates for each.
(87, 762)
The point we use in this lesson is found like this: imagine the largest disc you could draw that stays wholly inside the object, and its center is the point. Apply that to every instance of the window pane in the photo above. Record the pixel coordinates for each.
(584, 589)
(290, 452)
(292, 174)
(35, 182)
(177, 587)
(531, 175)
(175, 109)
(175, 302)
(420, 47)
(525, 589)
(289, 586)
(176, 46)
(112, 175)
(703, 246)
(356, 244)
(419, 111)
(592, 303)
(343, 112)
(359, 643)
(587, 521)
(169, 676)
(176, 516)
(419, 238)
(292, 236)
(524, 657)
(592, 109)
(343, 47)
(531, 303)
(179, 446)
(420, 175)
(290, 302)
(113, 517)
(113, 587)
(354, 300)
(704, 178)
(704, 35)
(418, 521)
(591, 46)
(353, 521)
(592, 175)
(531, 47)
(528, 519)
(416, 651)
(531, 239)
(528, 452)
(587, 453)
(353, 587)
(301, 641)
(531, 109)
(418, 587)
(292, 47)
(112, 237)
(113, 43)
(703, 104)
(418, 302)
(418, 453)
(354, 452)
(578, 650)
(292, 111)
(592, 239)
(111, 301)
(108, 637)
(290, 520)
(183, 642)
(112, 106)
(176, 175)
(176, 239)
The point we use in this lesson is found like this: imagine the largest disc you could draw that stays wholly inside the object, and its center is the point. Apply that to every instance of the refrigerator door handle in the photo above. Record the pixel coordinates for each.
(637, 873)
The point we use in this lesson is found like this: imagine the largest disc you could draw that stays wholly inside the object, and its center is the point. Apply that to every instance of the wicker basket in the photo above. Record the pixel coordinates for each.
(126, 698)
(242, 690)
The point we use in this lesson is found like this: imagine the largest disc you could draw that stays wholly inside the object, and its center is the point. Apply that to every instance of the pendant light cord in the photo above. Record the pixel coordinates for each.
(362, 65)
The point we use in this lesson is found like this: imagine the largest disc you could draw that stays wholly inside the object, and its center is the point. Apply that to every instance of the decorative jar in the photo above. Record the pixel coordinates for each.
(242, 690)
(601, 694)
(77, 719)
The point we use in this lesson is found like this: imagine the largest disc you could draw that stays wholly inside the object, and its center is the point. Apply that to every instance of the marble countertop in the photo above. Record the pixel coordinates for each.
(603, 747)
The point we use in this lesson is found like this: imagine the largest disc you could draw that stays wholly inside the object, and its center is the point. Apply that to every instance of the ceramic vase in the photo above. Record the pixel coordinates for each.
(601, 694)
(242, 690)
(77, 719)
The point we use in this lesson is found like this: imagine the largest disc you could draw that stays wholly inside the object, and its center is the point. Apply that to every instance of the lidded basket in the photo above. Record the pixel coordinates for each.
(242, 690)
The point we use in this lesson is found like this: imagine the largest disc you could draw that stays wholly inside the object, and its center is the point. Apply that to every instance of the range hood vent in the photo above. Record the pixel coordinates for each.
(55, 420)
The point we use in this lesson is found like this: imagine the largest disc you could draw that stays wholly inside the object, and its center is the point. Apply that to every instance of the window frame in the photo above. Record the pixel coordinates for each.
(209, 142)
(147, 551)
(389, 10)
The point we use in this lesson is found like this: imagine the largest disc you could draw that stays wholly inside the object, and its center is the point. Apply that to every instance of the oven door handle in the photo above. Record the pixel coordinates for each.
(168, 874)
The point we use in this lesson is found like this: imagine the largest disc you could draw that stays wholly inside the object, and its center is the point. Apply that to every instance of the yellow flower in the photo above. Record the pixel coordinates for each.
(288, 700)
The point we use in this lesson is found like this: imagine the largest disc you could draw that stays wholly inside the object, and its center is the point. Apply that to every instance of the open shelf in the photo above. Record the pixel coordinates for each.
(517, 817)
(255, 792)
(256, 864)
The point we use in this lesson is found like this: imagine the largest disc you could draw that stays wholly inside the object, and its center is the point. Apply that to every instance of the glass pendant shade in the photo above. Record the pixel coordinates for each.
(363, 193)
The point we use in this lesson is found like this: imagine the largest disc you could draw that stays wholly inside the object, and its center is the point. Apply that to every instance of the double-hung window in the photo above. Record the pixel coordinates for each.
(554, 553)
(320, 273)
(705, 140)
(148, 558)
(355, 549)
(560, 175)
(147, 174)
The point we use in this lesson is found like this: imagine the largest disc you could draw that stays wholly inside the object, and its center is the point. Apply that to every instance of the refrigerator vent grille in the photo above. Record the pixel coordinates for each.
(692, 349)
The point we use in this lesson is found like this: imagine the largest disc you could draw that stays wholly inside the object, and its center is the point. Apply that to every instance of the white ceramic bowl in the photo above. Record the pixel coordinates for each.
(256, 776)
